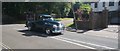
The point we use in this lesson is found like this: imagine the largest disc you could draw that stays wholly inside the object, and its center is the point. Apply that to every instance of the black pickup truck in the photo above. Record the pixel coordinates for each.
(46, 25)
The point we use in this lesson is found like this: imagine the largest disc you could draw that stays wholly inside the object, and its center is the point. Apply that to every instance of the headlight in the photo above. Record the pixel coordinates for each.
(61, 25)
(54, 26)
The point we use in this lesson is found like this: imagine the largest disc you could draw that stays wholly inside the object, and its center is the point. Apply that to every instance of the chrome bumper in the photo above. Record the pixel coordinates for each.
(59, 31)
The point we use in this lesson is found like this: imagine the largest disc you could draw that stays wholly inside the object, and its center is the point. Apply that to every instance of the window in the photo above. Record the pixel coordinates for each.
(103, 4)
(111, 3)
(96, 5)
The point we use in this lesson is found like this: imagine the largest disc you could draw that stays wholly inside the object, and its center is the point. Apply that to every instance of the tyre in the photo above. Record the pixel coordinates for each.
(48, 32)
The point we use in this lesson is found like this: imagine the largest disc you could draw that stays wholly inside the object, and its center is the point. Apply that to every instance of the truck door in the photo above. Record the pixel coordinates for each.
(40, 25)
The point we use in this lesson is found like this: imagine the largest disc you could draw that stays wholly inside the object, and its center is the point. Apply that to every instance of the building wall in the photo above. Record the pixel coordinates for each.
(113, 10)
(100, 5)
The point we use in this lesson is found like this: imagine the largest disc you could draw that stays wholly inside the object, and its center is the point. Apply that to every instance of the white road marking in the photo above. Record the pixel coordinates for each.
(83, 42)
(94, 34)
(5, 46)
(73, 43)
(90, 43)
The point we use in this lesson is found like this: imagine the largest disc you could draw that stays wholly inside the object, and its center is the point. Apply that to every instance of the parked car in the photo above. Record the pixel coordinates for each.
(46, 25)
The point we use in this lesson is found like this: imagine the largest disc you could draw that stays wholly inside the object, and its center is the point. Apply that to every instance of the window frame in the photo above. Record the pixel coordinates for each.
(95, 5)
(111, 3)
(104, 4)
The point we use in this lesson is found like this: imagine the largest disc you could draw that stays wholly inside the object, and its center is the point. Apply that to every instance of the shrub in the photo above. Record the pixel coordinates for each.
(85, 6)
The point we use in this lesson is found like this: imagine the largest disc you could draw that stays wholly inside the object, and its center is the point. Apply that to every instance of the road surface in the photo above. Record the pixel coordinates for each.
(16, 36)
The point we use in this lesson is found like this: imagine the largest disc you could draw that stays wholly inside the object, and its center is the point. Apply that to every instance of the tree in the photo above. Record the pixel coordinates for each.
(61, 9)
(17, 10)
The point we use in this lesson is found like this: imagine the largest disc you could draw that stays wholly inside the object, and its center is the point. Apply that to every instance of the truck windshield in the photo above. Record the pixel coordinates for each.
(51, 19)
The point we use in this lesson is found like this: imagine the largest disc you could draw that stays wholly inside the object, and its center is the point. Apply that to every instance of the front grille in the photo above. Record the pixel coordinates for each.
(58, 28)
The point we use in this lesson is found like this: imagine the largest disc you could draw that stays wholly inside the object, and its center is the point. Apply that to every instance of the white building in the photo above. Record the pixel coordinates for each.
(112, 5)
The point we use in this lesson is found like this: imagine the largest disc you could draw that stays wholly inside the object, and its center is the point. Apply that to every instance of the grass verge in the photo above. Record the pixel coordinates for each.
(69, 25)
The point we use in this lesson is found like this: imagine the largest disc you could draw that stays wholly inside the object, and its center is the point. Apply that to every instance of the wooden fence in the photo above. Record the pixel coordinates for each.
(96, 20)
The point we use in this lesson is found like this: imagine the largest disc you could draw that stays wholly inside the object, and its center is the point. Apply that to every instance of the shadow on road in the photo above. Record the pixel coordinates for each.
(98, 29)
(36, 33)
(82, 31)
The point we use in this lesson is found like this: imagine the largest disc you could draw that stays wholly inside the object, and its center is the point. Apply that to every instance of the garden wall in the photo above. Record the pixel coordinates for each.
(96, 20)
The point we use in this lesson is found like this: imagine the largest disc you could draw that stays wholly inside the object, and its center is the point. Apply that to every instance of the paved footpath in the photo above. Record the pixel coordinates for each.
(110, 32)
(113, 28)
(102, 33)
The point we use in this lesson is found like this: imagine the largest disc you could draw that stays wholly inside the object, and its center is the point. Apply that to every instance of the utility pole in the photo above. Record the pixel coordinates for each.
(74, 16)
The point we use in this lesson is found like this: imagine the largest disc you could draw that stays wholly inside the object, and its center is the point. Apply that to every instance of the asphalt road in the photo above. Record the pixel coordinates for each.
(16, 36)
(38, 1)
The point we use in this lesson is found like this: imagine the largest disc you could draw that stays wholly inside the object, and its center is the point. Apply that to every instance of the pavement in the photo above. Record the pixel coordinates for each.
(112, 30)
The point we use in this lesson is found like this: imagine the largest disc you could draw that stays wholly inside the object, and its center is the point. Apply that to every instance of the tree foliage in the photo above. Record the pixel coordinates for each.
(17, 10)
(85, 6)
